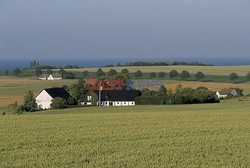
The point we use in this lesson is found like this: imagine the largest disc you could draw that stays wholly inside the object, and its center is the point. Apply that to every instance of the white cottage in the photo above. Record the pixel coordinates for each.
(44, 99)
(114, 97)
(55, 77)
(226, 92)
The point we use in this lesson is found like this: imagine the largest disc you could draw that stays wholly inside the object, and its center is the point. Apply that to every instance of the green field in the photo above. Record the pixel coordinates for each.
(211, 135)
(208, 70)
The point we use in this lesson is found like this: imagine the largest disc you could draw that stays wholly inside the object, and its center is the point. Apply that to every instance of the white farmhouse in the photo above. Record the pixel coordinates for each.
(114, 97)
(226, 92)
(44, 99)
(55, 77)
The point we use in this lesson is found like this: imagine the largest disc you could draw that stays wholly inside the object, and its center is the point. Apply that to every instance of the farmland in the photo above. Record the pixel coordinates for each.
(13, 89)
(213, 135)
(208, 70)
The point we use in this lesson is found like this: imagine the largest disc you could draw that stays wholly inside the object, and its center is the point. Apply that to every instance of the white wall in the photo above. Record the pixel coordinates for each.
(118, 103)
(44, 100)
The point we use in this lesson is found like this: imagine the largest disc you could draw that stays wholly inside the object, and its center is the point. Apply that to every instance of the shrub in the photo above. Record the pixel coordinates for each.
(100, 72)
(58, 103)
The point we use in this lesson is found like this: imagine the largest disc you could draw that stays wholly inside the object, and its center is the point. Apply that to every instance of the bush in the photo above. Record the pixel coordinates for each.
(112, 72)
(58, 103)
(100, 73)
(124, 71)
(248, 76)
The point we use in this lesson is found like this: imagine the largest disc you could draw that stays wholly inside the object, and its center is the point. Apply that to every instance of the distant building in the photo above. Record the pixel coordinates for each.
(44, 99)
(113, 97)
(44, 77)
(226, 92)
(55, 77)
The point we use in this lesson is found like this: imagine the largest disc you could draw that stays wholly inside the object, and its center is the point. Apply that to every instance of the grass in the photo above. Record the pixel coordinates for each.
(206, 135)
(208, 70)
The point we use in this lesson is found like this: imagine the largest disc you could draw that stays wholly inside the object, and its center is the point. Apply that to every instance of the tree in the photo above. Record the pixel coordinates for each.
(69, 75)
(173, 74)
(163, 91)
(62, 72)
(29, 104)
(38, 71)
(17, 71)
(248, 76)
(152, 75)
(100, 72)
(124, 71)
(185, 74)
(58, 103)
(162, 74)
(112, 72)
(233, 76)
(78, 90)
(49, 71)
(199, 75)
(125, 78)
(138, 74)
(85, 74)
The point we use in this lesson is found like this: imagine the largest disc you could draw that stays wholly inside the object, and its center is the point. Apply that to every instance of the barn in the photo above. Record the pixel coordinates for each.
(45, 97)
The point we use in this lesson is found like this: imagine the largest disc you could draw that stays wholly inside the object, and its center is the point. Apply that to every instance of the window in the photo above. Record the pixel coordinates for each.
(89, 98)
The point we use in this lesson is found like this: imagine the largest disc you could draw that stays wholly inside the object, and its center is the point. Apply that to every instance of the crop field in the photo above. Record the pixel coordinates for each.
(208, 70)
(206, 135)
(13, 89)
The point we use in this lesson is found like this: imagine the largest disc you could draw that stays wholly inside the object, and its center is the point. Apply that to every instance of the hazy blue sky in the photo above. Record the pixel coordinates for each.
(125, 29)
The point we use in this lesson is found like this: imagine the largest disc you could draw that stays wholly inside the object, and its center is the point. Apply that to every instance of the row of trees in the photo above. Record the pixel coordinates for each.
(180, 96)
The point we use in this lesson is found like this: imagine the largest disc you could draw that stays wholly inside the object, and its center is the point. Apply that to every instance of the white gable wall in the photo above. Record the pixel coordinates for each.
(44, 100)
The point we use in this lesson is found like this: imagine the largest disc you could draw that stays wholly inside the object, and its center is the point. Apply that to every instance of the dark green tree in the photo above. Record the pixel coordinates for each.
(233, 76)
(163, 91)
(124, 71)
(29, 104)
(173, 74)
(248, 76)
(100, 72)
(138, 74)
(184, 74)
(49, 71)
(61, 72)
(78, 90)
(199, 75)
(85, 74)
(152, 75)
(162, 75)
(112, 72)
(38, 71)
(17, 71)
(58, 103)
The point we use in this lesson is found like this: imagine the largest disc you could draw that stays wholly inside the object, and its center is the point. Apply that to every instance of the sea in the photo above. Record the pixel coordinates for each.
(10, 64)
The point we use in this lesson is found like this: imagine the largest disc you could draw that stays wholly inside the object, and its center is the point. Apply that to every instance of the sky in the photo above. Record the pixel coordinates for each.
(125, 29)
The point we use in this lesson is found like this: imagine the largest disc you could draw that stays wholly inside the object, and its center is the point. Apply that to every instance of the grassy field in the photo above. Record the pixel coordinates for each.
(211, 135)
(13, 89)
(208, 70)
